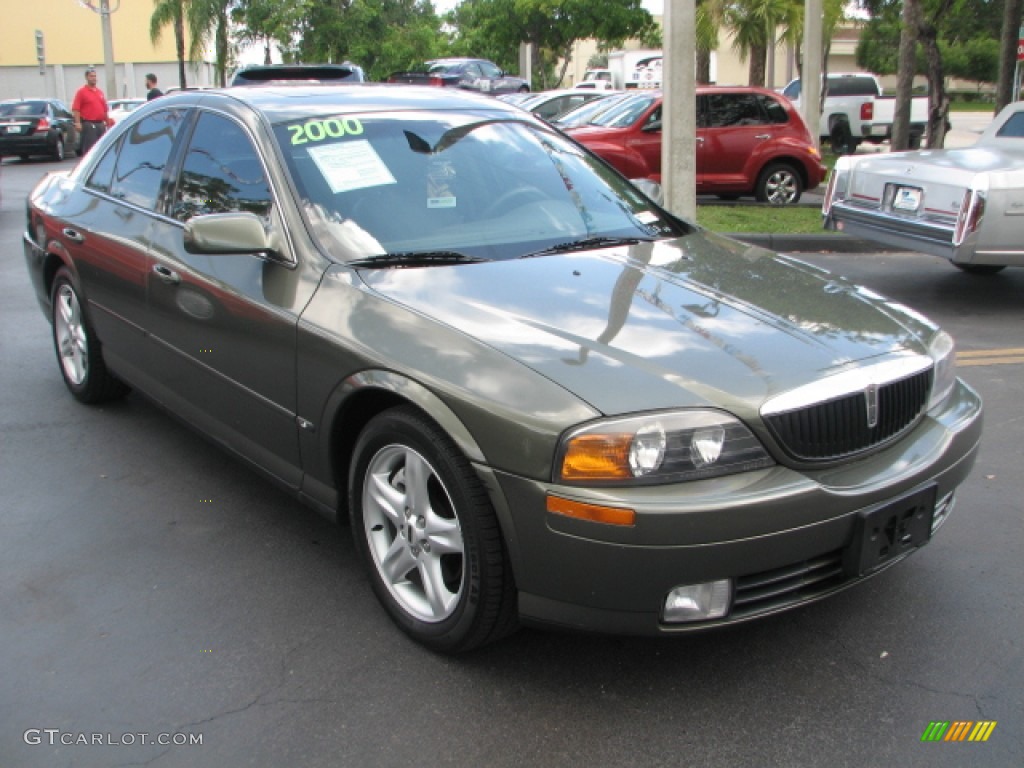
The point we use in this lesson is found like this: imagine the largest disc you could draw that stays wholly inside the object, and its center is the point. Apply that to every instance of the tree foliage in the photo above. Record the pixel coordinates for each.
(382, 36)
(495, 29)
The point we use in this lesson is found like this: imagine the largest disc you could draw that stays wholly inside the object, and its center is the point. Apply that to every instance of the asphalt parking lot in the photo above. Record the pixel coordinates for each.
(155, 593)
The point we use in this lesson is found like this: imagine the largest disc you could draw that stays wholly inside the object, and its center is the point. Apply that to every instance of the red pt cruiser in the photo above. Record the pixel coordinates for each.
(750, 141)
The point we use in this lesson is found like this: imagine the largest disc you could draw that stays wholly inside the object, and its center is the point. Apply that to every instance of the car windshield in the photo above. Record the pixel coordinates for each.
(624, 113)
(21, 108)
(470, 186)
(584, 113)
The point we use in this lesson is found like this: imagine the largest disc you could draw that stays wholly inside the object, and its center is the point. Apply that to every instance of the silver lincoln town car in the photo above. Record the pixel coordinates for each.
(539, 397)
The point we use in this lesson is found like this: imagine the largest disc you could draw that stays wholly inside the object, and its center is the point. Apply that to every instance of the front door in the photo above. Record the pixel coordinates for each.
(224, 326)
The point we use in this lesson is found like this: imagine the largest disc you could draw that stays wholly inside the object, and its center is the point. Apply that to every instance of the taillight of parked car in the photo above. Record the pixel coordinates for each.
(867, 110)
(972, 210)
(43, 126)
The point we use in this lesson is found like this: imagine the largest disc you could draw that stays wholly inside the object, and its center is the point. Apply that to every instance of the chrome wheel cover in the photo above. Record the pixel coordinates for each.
(69, 332)
(781, 188)
(413, 533)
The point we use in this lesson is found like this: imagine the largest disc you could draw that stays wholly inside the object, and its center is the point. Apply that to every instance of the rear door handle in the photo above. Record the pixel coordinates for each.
(168, 276)
(73, 235)
(763, 136)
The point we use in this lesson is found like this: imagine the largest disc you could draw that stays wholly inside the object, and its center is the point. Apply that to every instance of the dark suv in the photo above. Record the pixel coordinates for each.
(750, 141)
(36, 127)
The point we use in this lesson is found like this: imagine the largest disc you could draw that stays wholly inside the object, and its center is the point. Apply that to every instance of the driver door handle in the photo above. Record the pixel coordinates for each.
(168, 276)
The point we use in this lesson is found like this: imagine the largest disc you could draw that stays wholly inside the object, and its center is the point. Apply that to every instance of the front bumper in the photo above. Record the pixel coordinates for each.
(782, 537)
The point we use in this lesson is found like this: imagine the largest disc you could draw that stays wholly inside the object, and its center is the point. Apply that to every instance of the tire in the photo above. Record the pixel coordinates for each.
(842, 140)
(524, 89)
(78, 350)
(428, 535)
(58, 148)
(980, 269)
(779, 184)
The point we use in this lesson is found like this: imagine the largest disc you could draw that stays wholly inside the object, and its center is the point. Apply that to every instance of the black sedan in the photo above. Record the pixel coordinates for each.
(36, 127)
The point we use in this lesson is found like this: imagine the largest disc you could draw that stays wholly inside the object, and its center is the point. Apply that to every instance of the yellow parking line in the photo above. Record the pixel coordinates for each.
(1010, 356)
(989, 352)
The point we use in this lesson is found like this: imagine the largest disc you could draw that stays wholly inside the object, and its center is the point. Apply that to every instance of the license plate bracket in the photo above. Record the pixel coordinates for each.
(906, 199)
(890, 531)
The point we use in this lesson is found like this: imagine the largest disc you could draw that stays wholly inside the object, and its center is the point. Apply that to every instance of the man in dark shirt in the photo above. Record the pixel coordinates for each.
(153, 91)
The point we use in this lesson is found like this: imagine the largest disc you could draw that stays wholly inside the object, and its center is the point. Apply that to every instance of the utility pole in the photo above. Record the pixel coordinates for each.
(679, 108)
(811, 85)
(104, 10)
(108, 49)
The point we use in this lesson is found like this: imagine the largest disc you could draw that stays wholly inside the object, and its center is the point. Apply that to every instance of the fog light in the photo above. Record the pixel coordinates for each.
(698, 602)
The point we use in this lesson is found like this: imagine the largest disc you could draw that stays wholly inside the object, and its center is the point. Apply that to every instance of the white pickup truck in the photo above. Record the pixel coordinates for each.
(855, 111)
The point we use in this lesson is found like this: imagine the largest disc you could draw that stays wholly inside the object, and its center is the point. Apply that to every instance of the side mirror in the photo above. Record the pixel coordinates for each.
(651, 127)
(225, 233)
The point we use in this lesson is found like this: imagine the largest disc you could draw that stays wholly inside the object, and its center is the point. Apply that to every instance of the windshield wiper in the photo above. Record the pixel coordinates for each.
(585, 244)
(415, 259)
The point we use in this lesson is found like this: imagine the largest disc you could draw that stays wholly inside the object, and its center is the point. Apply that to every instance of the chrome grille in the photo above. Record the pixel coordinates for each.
(839, 428)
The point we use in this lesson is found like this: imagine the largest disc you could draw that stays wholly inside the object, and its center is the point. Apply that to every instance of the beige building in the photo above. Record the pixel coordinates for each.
(73, 40)
(727, 68)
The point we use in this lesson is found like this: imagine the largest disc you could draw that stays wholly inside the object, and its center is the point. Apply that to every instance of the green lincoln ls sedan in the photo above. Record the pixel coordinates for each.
(539, 397)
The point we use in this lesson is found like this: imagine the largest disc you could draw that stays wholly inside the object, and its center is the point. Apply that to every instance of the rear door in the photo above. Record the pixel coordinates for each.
(731, 128)
(107, 233)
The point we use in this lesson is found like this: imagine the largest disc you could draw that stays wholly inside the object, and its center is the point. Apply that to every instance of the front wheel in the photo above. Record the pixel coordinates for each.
(78, 350)
(779, 184)
(428, 535)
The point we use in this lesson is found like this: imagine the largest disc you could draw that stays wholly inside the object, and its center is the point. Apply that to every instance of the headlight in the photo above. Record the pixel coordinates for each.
(657, 448)
(943, 352)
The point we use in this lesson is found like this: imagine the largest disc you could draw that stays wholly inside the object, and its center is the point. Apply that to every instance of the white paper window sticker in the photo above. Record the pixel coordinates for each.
(351, 165)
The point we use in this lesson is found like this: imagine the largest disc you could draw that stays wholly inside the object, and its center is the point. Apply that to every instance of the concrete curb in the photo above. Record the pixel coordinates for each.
(823, 243)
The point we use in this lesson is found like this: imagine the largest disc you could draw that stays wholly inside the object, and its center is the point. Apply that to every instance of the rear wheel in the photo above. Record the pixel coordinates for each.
(428, 535)
(779, 184)
(78, 350)
(842, 140)
(58, 148)
(980, 269)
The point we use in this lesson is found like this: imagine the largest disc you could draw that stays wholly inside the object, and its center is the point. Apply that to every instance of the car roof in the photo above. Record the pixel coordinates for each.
(287, 102)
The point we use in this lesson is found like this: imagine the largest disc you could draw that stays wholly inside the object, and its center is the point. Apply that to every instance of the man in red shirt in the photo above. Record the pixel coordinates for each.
(90, 111)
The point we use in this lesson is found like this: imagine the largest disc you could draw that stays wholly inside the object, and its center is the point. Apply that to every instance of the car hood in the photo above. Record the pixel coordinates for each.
(702, 320)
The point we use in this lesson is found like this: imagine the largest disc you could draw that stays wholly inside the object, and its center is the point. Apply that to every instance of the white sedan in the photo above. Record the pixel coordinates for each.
(119, 108)
(966, 204)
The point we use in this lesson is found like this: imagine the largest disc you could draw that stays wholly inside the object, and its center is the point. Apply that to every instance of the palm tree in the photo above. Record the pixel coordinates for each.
(206, 17)
(710, 16)
(753, 23)
(171, 13)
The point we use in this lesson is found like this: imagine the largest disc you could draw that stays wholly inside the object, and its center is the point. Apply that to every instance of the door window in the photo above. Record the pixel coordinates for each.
(143, 157)
(731, 109)
(221, 173)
